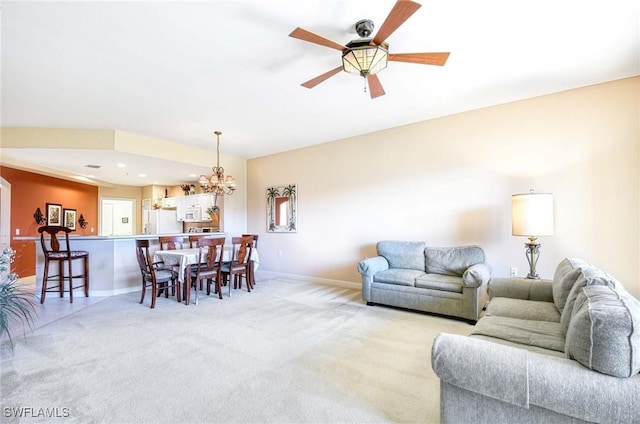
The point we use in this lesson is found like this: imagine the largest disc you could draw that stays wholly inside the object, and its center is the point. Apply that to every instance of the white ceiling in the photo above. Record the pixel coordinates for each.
(180, 70)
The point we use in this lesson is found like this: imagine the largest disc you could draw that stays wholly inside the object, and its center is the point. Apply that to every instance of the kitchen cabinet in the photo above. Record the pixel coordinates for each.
(170, 202)
(199, 201)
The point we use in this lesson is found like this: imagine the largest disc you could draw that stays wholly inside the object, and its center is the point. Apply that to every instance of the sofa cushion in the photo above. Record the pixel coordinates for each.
(452, 260)
(586, 277)
(604, 332)
(542, 334)
(566, 274)
(523, 309)
(403, 254)
(401, 277)
(440, 282)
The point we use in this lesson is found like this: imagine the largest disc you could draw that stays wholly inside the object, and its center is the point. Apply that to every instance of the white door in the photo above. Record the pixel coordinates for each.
(5, 214)
(117, 217)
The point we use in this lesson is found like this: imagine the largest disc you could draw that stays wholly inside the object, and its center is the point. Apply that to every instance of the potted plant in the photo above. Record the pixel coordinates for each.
(16, 303)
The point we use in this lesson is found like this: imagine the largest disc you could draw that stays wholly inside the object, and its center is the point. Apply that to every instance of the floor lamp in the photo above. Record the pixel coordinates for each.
(532, 217)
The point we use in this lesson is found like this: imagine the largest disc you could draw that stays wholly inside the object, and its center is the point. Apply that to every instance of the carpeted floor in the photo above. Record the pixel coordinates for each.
(288, 352)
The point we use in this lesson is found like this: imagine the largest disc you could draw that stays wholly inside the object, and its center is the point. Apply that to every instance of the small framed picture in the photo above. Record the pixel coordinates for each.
(70, 218)
(54, 214)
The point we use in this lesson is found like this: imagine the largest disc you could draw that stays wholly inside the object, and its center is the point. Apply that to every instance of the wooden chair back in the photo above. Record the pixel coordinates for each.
(194, 240)
(241, 250)
(171, 242)
(144, 259)
(255, 239)
(54, 244)
(214, 252)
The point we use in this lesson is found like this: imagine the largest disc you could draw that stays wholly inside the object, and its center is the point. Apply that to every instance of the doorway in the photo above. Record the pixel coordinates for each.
(117, 217)
(5, 214)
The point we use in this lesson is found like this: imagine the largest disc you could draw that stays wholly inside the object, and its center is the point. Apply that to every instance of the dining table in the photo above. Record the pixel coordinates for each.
(184, 258)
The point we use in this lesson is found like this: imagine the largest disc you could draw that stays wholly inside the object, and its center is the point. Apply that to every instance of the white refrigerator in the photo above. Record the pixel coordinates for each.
(161, 221)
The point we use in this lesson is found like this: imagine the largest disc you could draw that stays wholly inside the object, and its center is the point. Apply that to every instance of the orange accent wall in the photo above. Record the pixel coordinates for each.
(30, 191)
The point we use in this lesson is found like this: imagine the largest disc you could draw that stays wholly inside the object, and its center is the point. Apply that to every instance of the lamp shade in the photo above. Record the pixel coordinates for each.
(532, 214)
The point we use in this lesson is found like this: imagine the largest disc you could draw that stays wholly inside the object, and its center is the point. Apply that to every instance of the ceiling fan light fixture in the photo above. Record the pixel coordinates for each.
(363, 59)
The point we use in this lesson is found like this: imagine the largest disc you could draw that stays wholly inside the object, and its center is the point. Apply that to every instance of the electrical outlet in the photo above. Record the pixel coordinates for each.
(514, 271)
(17, 231)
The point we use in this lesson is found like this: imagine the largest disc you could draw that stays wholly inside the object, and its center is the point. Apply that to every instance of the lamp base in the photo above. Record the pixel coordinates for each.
(532, 253)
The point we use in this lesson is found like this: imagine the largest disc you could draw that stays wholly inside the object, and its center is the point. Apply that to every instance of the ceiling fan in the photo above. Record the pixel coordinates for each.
(367, 56)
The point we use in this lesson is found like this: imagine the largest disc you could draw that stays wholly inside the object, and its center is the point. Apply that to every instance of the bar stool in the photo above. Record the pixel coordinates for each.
(54, 253)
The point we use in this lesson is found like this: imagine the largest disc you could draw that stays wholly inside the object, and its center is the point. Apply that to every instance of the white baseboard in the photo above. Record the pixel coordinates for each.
(339, 283)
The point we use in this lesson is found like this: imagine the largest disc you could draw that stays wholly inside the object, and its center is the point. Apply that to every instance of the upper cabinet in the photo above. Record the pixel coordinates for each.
(187, 204)
(170, 202)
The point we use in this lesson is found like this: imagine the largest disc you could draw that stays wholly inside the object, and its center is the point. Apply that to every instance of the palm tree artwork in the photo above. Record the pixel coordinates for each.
(272, 193)
(290, 192)
(281, 220)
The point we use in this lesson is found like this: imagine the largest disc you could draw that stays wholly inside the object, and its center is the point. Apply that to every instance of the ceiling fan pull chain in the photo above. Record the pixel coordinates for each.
(365, 84)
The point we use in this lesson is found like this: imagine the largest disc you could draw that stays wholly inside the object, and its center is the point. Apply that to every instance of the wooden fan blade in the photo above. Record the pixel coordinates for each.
(304, 35)
(422, 58)
(402, 10)
(375, 88)
(317, 80)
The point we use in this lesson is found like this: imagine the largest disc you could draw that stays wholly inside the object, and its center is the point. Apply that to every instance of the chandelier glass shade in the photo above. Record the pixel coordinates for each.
(217, 183)
(362, 58)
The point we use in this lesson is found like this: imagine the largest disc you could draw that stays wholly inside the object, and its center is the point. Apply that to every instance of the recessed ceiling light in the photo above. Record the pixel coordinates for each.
(121, 165)
(142, 175)
(192, 175)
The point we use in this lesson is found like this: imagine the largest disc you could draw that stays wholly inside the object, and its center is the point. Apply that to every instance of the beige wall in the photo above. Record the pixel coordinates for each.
(449, 182)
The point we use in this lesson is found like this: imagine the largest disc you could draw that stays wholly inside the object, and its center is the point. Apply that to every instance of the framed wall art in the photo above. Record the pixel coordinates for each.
(282, 209)
(54, 214)
(70, 218)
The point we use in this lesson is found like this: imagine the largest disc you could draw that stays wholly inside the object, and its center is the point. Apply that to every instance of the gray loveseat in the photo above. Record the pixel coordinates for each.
(565, 350)
(443, 280)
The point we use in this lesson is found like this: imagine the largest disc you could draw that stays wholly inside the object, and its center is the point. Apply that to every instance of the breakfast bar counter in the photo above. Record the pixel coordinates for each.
(113, 267)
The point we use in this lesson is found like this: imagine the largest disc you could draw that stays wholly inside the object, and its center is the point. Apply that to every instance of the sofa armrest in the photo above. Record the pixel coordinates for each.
(476, 275)
(475, 366)
(524, 378)
(521, 288)
(368, 268)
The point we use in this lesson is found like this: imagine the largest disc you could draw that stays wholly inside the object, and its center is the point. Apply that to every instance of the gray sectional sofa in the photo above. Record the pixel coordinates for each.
(443, 280)
(565, 350)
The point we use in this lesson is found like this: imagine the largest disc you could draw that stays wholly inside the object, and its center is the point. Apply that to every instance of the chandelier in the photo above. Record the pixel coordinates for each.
(218, 184)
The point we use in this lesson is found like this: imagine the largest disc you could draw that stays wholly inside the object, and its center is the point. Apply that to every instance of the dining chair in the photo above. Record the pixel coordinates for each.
(62, 255)
(153, 276)
(252, 268)
(239, 264)
(208, 266)
(171, 243)
(194, 240)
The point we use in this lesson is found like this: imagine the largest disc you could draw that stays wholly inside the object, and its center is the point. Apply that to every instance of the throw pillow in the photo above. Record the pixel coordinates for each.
(565, 276)
(604, 332)
(452, 260)
(403, 254)
(587, 277)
